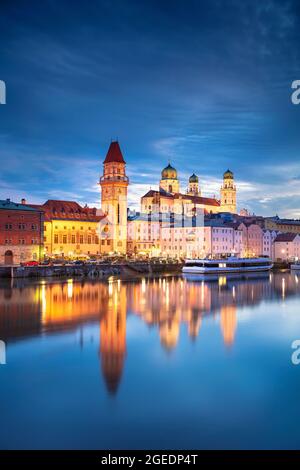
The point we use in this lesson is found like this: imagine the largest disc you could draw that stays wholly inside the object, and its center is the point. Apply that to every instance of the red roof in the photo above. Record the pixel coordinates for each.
(285, 237)
(208, 201)
(114, 154)
(68, 210)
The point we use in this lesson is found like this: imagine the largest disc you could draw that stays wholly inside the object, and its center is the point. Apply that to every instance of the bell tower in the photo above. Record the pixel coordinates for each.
(114, 183)
(193, 188)
(228, 193)
(169, 181)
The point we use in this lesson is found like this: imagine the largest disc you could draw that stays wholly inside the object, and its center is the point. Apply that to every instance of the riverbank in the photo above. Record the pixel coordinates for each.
(103, 270)
(89, 271)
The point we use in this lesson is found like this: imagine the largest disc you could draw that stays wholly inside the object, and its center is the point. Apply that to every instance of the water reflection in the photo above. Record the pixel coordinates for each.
(164, 303)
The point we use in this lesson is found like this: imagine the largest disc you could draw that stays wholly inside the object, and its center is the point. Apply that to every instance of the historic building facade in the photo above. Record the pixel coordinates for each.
(172, 223)
(70, 230)
(21, 233)
(228, 193)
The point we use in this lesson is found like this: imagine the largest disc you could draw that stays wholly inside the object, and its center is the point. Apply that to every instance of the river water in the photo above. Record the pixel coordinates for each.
(153, 363)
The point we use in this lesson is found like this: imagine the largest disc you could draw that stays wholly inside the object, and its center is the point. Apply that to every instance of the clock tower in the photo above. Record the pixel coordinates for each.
(114, 183)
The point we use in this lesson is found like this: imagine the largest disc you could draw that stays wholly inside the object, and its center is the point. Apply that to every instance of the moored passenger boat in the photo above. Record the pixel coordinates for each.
(226, 265)
(295, 266)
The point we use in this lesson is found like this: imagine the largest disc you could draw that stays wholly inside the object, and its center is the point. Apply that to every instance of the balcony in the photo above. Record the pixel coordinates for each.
(114, 179)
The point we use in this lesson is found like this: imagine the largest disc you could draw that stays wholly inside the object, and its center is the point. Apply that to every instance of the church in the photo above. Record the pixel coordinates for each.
(161, 210)
(169, 198)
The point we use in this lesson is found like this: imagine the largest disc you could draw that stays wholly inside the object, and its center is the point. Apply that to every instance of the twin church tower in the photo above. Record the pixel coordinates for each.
(114, 184)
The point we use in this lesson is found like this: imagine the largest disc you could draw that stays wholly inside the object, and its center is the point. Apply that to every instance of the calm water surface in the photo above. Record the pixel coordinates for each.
(152, 363)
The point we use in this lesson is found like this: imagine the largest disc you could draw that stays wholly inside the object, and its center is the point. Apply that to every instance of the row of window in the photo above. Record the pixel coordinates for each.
(21, 227)
(66, 228)
(81, 239)
(34, 241)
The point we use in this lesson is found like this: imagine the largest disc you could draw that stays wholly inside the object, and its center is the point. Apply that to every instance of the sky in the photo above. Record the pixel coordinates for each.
(203, 84)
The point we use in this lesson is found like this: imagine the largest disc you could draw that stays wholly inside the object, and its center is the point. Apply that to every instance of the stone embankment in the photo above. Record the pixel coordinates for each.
(91, 271)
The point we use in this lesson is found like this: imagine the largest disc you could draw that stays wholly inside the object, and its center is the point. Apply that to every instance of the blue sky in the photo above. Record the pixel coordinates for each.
(204, 84)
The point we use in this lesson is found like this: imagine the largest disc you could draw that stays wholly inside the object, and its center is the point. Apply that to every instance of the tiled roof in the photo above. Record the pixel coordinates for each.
(285, 237)
(288, 222)
(208, 201)
(114, 154)
(9, 205)
(68, 210)
(195, 199)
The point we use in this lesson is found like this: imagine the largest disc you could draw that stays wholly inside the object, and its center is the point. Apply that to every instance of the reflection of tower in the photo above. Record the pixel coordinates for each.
(114, 184)
(228, 323)
(169, 333)
(194, 324)
(228, 193)
(113, 337)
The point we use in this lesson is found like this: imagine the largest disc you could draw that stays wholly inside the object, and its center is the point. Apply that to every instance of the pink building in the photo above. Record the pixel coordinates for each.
(268, 242)
(252, 239)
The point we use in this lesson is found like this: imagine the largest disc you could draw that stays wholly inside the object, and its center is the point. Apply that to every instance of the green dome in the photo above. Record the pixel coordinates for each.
(193, 178)
(169, 173)
(228, 174)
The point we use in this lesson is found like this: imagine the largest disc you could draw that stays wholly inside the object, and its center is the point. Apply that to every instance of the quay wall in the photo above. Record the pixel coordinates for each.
(88, 271)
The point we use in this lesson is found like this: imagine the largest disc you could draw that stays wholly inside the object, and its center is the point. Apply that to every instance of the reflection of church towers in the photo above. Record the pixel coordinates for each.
(114, 184)
(228, 193)
(113, 336)
(228, 323)
(169, 333)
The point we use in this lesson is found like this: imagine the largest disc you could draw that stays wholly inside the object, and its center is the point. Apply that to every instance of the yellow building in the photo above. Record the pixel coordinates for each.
(70, 230)
(283, 225)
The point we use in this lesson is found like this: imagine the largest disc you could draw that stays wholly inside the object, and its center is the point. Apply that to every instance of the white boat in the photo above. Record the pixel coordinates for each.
(226, 265)
(295, 267)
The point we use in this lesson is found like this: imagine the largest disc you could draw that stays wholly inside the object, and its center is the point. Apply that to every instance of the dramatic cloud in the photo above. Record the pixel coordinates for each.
(203, 84)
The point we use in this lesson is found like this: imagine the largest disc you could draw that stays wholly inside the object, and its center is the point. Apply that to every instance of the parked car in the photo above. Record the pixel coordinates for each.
(78, 262)
(30, 263)
(46, 262)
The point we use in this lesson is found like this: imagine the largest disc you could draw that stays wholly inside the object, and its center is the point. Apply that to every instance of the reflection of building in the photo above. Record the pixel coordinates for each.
(228, 193)
(113, 336)
(170, 305)
(169, 333)
(70, 303)
(21, 233)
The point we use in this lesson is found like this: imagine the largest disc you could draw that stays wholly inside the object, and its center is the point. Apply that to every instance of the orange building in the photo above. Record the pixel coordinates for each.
(70, 230)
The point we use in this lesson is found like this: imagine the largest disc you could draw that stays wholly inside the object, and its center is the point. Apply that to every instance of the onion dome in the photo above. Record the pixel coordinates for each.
(169, 173)
(193, 178)
(228, 175)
